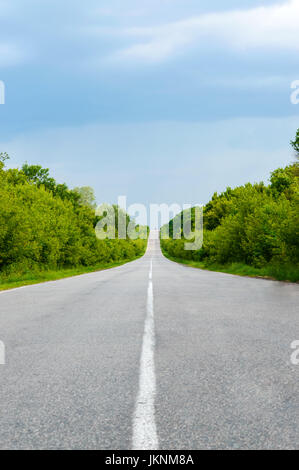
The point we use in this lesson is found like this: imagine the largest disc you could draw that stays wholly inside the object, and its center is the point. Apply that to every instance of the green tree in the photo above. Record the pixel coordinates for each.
(86, 196)
(282, 181)
(295, 144)
(3, 157)
(254, 224)
(39, 176)
(44, 225)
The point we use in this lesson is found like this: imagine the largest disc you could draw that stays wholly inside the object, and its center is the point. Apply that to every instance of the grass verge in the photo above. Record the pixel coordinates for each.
(288, 273)
(13, 280)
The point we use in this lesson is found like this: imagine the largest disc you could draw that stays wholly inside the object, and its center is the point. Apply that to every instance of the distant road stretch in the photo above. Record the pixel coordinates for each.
(150, 355)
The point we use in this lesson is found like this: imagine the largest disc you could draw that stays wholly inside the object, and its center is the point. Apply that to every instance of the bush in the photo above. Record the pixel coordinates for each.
(254, 225)
(45, 226)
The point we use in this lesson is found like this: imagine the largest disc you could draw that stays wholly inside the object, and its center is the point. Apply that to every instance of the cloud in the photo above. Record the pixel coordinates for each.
(11, 55)
(14, 49)
(4, 8)
(271, 27)
(159, 161)
(250, 82)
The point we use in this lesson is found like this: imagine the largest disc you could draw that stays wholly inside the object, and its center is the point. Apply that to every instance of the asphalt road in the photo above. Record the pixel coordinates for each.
(176, 358)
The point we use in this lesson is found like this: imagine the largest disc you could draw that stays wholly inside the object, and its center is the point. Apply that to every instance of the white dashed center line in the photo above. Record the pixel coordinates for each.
(144, 425)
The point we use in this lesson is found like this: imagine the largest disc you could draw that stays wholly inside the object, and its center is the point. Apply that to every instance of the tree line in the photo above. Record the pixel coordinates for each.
(46, 225)
(255, 224)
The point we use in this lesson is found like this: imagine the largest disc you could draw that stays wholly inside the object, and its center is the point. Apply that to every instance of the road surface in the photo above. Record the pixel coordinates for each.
(150, 355)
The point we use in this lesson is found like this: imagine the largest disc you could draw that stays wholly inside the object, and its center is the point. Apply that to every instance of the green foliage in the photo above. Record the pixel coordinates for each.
(253, 225)
(3, 157)
(295, 144)
(39, 176)
(44, 225)
(283, 181)
(86, 196)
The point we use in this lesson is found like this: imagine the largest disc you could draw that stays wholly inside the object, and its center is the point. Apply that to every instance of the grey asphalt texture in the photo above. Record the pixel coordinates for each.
(222, 358)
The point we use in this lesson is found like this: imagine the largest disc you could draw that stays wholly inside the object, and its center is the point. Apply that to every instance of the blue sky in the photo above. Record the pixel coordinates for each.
(162, 101)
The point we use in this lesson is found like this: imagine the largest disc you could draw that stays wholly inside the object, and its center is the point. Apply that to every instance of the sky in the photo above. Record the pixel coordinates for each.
(164, 101)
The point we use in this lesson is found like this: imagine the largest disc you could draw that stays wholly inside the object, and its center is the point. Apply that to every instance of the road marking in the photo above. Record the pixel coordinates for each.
(144, 425)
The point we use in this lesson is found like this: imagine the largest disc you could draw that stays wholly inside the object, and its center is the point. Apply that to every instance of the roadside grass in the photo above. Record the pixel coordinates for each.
(37, 277)
(288, 273)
